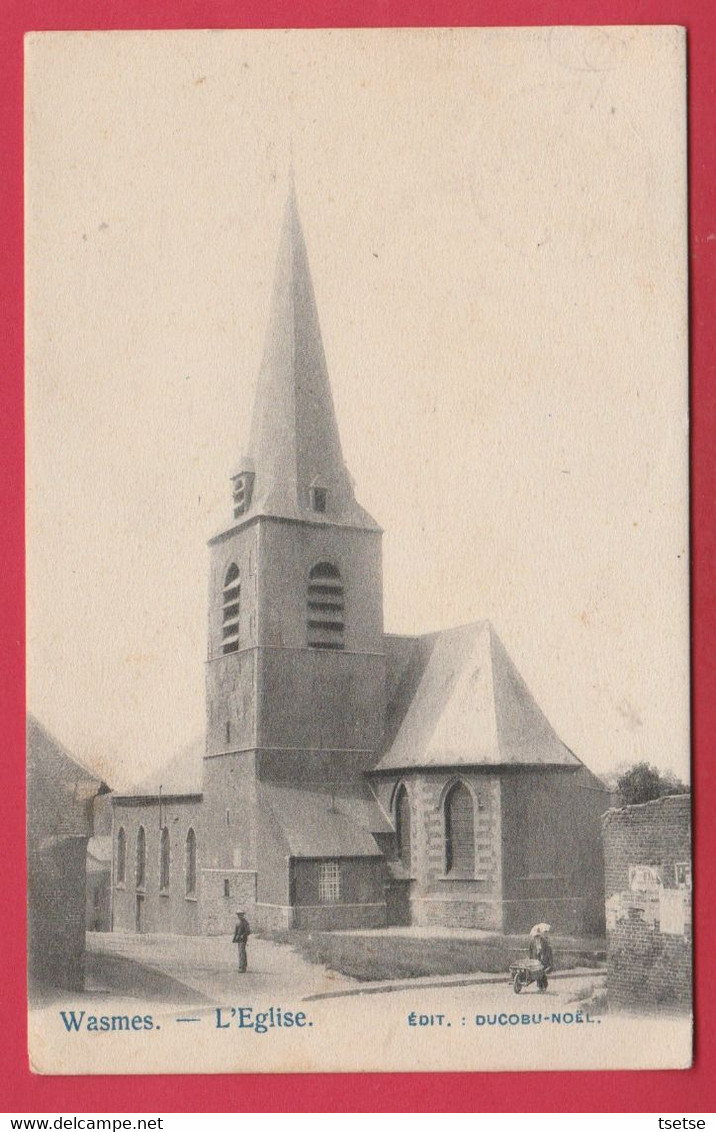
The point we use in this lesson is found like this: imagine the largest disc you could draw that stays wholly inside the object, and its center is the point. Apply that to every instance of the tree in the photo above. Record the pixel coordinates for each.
(644, 783)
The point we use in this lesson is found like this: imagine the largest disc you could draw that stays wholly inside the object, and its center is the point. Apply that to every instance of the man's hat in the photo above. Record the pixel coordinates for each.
(240, 912)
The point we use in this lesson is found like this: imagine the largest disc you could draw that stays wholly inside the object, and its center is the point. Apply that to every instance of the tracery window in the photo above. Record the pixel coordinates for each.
(459, 831)
(402, 828)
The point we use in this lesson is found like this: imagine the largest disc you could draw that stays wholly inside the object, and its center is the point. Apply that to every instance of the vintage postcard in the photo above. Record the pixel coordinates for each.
(357, 551)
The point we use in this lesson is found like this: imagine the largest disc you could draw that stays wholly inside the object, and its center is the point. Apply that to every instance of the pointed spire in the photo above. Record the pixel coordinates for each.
(294, 448)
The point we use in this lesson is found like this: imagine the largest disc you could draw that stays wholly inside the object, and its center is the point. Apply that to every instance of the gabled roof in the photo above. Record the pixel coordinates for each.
(60, 791)
(294, 443)
(182, 775)
(458, 700)
(314, 823)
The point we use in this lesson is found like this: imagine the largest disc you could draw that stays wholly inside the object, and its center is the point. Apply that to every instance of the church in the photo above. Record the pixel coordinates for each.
(350, 778)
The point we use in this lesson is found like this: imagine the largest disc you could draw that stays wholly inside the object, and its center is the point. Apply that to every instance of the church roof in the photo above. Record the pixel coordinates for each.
(456, 699)
(294, 442)
(182, 774)
(315, 823)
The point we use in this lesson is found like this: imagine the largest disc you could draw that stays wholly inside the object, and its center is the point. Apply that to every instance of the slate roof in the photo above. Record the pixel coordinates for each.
(313, 823)
(456, 699)
(294, 441)
(182, 775)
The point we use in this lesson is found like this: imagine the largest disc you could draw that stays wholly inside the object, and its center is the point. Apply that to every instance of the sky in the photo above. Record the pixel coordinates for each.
(496, 227)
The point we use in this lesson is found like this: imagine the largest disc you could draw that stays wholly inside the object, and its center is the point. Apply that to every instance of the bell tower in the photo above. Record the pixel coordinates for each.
(295, 667)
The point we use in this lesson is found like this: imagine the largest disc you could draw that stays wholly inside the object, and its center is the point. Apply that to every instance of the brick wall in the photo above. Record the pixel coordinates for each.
(649, 960)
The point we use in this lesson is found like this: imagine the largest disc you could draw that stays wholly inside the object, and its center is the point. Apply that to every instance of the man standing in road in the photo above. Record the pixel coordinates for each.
(242, 931)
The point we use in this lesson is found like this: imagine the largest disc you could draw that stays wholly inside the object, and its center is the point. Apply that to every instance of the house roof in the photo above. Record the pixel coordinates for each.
(294, 441)
(60, 791)
(181, 775)
(458, 700)
(314, 823)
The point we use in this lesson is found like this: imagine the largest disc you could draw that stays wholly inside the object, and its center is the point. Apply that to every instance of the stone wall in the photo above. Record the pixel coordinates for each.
(436, 897)
(647, 855)
(223, 893)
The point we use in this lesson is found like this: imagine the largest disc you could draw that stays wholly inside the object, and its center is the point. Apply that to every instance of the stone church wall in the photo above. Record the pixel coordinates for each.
(553, 866)
(223, 892)
(436, 898)
(361, 902)
(172, 910)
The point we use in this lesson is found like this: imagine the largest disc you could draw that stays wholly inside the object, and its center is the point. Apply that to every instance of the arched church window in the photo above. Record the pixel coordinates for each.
(141, 857)
(164, 860)
(191, 863)
(325, 607)
(121, 870)
(402, 827)
(231, 605)
(459, 831)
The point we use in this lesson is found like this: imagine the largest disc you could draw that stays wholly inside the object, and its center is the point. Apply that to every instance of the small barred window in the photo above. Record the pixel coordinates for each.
(329, 882)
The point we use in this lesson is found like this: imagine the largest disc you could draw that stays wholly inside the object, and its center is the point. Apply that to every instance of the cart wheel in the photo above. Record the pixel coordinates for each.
(517, 983)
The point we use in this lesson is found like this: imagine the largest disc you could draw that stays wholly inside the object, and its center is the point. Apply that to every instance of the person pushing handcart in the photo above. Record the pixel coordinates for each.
(539, 962)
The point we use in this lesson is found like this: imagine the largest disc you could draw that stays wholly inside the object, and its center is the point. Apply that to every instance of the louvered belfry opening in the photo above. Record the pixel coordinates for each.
(325, 607)
(230, 610)
(459, 832)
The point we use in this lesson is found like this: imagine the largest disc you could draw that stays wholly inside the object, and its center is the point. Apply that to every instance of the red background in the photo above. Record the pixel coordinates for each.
(691, 1091)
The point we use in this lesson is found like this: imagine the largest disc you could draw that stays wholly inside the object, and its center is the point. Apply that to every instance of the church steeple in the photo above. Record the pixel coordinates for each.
(294, 466)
